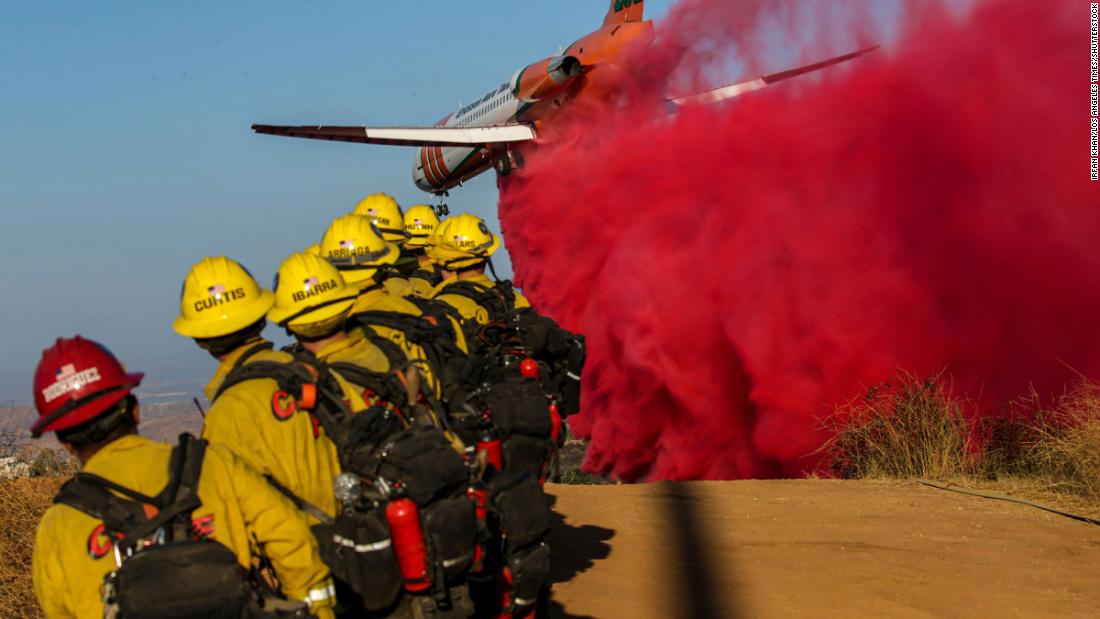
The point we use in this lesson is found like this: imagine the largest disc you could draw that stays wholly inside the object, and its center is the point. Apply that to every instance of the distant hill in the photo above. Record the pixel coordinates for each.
(159, 421)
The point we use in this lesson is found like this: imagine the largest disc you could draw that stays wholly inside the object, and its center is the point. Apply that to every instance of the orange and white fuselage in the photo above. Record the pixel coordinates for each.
(532, 95)
(485, 133)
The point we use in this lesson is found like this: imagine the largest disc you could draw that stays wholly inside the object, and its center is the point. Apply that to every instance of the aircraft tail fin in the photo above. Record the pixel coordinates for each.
(624, 11)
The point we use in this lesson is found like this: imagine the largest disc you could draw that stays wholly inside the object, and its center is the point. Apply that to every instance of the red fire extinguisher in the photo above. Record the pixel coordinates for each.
(555, 423)
(408, 543)
(489, 442)
(479, 494)
(529, 368)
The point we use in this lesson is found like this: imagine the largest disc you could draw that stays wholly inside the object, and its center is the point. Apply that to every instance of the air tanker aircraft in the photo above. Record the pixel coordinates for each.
(484, 134)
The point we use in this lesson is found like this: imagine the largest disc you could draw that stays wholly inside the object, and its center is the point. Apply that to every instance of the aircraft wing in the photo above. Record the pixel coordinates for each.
(735, 89)
(407, 136)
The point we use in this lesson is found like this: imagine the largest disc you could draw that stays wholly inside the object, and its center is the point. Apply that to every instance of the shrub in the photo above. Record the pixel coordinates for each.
(905, 428)
(22, 503)
(1063, 444)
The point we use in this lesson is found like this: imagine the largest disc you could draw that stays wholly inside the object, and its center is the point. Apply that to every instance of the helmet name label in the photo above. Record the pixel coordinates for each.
(225, 296)
(69, 380)
(313, 290)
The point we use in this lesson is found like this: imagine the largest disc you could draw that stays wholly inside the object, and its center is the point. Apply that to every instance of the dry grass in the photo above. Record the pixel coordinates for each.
(22, 503)
(912, 428)
(902, 429)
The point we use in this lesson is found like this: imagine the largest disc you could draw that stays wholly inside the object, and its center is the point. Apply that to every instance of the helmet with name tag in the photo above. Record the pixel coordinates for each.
(219, 297)
(76, 381)
(384, 212)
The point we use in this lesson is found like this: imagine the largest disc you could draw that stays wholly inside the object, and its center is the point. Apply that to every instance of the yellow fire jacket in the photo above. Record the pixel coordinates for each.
(266, 428)
(72, 552)
(421, 287)
(398, 286)
(467, 307)
(357, 350)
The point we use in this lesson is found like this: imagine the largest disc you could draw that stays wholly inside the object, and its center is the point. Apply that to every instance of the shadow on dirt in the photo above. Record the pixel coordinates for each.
(575, 550)
(701, 582)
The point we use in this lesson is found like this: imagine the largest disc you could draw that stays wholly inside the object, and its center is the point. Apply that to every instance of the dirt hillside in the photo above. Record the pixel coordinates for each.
(815, 549)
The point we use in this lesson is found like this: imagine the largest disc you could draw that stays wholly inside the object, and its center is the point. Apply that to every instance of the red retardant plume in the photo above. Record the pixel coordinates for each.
(742, 268)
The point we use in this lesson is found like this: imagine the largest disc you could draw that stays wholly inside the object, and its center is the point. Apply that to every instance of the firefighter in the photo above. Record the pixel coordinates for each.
(420, 222)
(85, 396)
(462, 246)
(357, 249)
(353, 245)
(312, 303)
(223, 308)
(384, 212)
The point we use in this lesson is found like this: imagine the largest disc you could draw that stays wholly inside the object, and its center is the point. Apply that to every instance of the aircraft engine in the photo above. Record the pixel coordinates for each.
(546, 78)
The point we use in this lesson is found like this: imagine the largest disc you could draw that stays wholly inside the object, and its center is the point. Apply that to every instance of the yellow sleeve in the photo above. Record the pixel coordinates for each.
(49, 582)
(228, 424)
(283, 535)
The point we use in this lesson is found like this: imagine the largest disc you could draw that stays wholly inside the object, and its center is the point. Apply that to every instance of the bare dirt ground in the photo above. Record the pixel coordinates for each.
(815, 548)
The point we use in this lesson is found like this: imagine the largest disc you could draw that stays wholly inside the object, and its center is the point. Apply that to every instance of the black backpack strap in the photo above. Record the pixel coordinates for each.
(393, 352)
(99, 497)
(498, 300)
(416, 329)
(386, 386)
(299, 502)
(293, 377)
(330, 409)
(251, 352)
(287, 376)
(92, 495)
(432, 277)
(183, 487)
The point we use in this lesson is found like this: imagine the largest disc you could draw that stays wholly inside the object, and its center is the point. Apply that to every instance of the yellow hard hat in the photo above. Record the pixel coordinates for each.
(219, 297)
(383, 210)
(310, 292)
(354, 246)
(420, 222)
(462, 241)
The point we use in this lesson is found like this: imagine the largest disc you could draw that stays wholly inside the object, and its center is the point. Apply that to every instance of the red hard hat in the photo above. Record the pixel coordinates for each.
(76, 381)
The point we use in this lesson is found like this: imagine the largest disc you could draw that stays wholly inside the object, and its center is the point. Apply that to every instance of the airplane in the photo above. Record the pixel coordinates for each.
(486, 133)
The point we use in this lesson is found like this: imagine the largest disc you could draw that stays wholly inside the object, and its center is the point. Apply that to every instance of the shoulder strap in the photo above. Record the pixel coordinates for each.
(416, 329)
(386, 385)
(432, 277)
(498, 300)
(284, 373)
(302, 504)
(99, 497)
(304, 374)
(394, 353)
(251, 352)
(438, 311)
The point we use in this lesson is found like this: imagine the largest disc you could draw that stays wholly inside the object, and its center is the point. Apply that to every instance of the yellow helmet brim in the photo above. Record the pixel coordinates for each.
(223, 324)
(284, 317)
(354, 274)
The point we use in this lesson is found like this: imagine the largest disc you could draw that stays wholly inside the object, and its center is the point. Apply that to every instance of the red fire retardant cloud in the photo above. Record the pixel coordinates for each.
(741, 268)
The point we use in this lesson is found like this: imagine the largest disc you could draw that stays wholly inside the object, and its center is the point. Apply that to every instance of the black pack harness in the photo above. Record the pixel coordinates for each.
(126, 515)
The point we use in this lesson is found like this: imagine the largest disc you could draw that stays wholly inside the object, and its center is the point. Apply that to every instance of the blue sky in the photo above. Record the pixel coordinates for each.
(127, 153)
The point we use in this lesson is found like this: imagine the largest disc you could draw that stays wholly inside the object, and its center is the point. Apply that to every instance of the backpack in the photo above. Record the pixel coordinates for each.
(521, 412)
(383, 462)
(164, 570)
(561, 351)
(433, 332)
